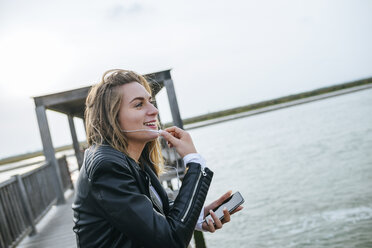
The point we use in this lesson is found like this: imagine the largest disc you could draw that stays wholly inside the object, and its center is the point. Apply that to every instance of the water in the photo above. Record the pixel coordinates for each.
(24, 166)
(305, 173)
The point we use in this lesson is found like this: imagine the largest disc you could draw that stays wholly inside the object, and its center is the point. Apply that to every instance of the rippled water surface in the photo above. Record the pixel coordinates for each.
(305, 173)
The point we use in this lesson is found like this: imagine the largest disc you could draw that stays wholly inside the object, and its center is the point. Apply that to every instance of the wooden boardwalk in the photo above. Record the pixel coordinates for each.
(54, 230)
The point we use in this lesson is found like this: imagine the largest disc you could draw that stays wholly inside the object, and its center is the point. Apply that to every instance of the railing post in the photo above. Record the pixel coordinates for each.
(2, 241)
(199, 239)
(65, 173)
(26, 204)
(4, 229)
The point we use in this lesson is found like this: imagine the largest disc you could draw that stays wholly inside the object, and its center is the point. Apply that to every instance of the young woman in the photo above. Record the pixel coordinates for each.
(119, 201)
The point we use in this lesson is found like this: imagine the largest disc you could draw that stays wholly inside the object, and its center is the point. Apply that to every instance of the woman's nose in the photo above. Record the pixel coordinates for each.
(153, 110)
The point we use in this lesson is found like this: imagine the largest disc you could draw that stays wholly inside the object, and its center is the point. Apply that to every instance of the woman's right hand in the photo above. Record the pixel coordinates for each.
(218, 224)
(179, 139)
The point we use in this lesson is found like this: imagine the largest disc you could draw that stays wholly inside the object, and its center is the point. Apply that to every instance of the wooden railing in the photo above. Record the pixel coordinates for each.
(65, 174)
(24, 200)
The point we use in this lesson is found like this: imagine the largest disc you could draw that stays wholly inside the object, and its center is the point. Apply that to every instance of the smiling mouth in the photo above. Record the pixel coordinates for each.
(150, 124)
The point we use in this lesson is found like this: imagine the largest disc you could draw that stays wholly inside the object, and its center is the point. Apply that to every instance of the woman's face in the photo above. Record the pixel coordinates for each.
(137, 112)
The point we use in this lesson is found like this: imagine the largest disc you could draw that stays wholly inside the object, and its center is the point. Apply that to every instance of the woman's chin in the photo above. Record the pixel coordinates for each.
(156, 135)
(151, 136)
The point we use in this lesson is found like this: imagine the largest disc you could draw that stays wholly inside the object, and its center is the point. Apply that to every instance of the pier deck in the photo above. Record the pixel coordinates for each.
(54, 230)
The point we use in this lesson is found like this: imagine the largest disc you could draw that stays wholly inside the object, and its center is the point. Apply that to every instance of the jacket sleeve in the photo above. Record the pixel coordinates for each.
(127, 209)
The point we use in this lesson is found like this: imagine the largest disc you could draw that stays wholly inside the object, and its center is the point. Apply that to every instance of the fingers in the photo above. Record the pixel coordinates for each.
(226, 215)
(220, 200)
(209, 226)
(169, 137)
(214, 225)
(217, 222)
(179, 139)
(176, 130)
(237, 210)
(217, 202)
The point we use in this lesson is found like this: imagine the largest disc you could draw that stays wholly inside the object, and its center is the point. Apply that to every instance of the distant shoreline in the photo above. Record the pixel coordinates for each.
(280, 100)
(243, 111)
(275, 107)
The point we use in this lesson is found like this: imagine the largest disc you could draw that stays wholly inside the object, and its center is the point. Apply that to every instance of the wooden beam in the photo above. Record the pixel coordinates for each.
(49, 151)
(177, 121)
(158, 76)
(75, 142)
(62, 97)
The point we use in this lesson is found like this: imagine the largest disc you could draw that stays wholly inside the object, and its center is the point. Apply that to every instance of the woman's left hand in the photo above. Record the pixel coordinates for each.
(210, 227)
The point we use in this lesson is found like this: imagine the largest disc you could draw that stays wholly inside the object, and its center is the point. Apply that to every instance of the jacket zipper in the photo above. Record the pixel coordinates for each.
(193, 194)
(152, 195)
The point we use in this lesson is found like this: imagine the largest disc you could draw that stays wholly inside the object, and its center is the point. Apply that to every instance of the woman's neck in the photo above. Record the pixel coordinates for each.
(135, 150)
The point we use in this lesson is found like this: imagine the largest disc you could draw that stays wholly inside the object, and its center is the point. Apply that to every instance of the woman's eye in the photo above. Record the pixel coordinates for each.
(138, 105)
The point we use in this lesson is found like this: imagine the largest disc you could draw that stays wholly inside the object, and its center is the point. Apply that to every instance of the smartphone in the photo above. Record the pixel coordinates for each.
(231, 203)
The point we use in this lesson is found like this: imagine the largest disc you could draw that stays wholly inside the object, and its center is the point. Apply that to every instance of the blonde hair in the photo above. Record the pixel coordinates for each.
(101, 116)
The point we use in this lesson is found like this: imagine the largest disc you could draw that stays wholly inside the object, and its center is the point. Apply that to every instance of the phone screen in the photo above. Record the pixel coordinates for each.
(231, 203)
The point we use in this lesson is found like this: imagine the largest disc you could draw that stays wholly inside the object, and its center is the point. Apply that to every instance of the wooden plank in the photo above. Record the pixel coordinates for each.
(56, 232)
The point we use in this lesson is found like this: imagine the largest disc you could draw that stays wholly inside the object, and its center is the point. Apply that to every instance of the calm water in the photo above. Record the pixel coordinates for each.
(305, 173)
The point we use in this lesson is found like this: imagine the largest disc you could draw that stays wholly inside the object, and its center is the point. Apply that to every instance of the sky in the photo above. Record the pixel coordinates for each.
(223, 54)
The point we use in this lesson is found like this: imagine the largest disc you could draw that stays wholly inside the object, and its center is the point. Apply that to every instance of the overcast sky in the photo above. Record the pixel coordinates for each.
(223, 54)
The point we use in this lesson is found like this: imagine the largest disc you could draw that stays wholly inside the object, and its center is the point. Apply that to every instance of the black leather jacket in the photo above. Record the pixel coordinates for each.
(113, 206)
